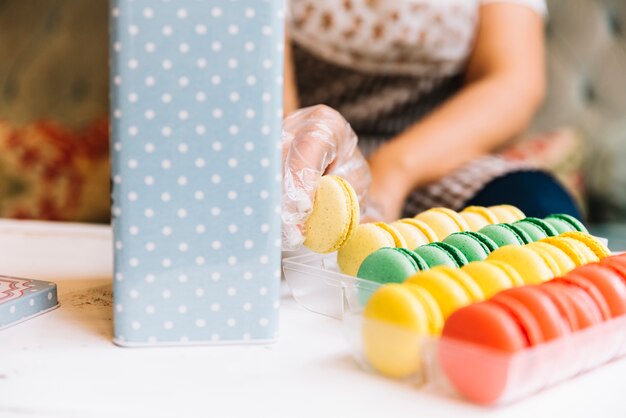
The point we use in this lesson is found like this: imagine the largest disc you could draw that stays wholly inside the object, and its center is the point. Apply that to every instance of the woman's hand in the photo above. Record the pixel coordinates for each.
(392, 180)
(316, 141)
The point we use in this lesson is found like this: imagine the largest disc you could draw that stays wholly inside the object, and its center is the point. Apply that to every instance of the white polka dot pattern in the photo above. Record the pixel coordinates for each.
(196, 169)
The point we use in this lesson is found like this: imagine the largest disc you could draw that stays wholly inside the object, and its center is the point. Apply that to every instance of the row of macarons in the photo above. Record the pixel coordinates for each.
(434, 294)
(334, 221)
(372, 258)
(432, 225)
(451, 302)
(525, 317)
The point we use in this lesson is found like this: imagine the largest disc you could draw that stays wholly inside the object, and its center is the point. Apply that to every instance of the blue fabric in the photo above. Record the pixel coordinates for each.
(536, 193)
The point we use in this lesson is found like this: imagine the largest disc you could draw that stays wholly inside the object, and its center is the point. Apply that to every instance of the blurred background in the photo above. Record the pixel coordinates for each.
(54, 110)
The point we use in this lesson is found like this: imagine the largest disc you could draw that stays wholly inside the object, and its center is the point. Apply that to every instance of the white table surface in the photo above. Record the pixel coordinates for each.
(63, 364)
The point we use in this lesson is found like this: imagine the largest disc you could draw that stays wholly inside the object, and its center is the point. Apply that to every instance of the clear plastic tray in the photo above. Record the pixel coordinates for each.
(516, 375)
(317, 285)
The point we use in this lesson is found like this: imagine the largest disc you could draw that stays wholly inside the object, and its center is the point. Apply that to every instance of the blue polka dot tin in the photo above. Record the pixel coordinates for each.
(196, 113)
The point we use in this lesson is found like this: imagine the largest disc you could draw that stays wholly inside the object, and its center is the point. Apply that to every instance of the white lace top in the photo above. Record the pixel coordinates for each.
(411, 37)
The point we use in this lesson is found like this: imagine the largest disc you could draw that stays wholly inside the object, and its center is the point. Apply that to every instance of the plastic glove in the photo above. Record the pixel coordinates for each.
(316, 141)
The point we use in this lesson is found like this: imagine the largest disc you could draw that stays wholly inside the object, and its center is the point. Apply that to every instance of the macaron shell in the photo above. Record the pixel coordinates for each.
(398, 239)
(393, 325)
(588, 255)
(466, 281)
(609, 283)
(433, 311)
(441, 223)
(355, 210)
(546, 313)
(454, 252)
(591, 289)
(474, 220)
(502, 235)
(412, 236)
(387, 265)
(600, 250)
(507, 213)
(485, 324)
(458, 219)
(563, 304)
(419, 261)
(366, 239)
(449, 295)
(540, 223)
(531, 266)
(559, 225)
(587, 312)
(566, 246)
(470, 246)
(488, 277)
(436, 256)
(562, 260)
(332, 219)
(526, 239)
(575, 223)
(533, 231)
(482, 324)
(483, 212)
(512, 274)
(522, 315)
(424, 228)
(617, 263)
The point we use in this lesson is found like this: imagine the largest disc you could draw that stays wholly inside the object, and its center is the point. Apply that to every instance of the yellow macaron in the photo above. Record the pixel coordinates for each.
(492, 276)
(443, 222)
(507, 213)
(433, 311)
(533, 266)
(564, 262)
(477, 217)
(394, 323)
(568, 248)
(397, 236)
(447, 291)
(466, 281)
(334, 217)
(600, 250)
(366, 239)
(414, 232)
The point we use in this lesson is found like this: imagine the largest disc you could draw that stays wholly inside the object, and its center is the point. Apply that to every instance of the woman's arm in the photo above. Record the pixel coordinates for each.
(290, 92)
(505, 84)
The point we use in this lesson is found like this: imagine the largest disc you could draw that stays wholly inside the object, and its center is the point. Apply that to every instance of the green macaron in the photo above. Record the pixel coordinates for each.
(563, 222)
(536, 228)
(391, 265)
(441, 254)
(506, 234)
(474, 245)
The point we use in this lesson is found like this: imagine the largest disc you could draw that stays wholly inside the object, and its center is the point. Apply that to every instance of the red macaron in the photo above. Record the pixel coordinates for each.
(587, 312)
(542, 309)
(617, 263)
(582, 282)
(610, 284)
(564, 304)
(508, 323)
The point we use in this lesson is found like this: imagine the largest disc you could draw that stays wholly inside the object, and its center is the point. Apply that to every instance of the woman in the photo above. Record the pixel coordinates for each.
(430, 88)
